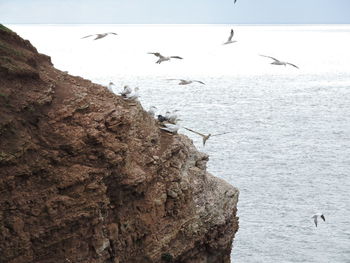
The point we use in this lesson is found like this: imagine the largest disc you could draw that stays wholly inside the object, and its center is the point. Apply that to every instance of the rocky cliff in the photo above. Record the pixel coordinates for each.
(88, 177)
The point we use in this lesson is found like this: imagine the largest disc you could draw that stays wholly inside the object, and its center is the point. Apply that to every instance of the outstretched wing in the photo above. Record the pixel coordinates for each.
(199, 82)
(324, 219)
(220, 133)
(315, 220)
(292, 65)
(200, 134)
(231, 36)
(176, 57)
(275, 59)
(157, 54)
(112, 33)
(87, 36)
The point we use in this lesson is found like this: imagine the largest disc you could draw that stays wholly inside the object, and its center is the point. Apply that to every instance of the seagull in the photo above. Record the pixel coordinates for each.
(99, 36)
(318, 215)
(126, 91)
(152, 111)
(205, 137)
(186, 82)
(109, 87)
(171, 117)
(163, 58)
(229, 40)
(172, 128)
(279, 63)
(133, 95)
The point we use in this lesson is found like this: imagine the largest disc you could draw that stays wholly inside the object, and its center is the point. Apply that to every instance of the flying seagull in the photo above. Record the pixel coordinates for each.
(163, 58)
(229, 40)
(99, 36)
(316, 216)
(205, 137)
(279, 63)
(186, 82)
(172, 128)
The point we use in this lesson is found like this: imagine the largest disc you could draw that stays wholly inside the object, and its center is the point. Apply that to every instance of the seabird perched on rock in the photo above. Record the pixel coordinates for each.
(161, 118)
(186, 82)
(99, 36)
(152, 111)
(229, 40)
(109, 87)
(279, 62)
(134, 95)
(318, 215)
(205, 137)
(169, 127)
(127, 90)
(163, 58)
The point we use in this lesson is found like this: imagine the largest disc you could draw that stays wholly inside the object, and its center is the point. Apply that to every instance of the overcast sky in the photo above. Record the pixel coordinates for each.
(175, 11)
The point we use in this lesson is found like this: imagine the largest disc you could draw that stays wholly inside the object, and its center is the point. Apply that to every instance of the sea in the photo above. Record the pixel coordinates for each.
(287, 146)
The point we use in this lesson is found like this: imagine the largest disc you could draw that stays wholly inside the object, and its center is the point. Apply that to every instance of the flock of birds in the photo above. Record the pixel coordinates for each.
(169, 121)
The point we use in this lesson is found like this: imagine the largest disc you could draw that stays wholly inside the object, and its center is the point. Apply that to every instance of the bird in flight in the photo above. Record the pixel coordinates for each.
(186, 82)
(205, 137)
(316, 216)
(99, 36)
(279, 62)
(163, 58)
(229, 40)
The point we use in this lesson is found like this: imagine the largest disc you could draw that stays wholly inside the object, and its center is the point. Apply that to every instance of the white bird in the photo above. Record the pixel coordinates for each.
(133, 95)
(172, 128)
(152, 111)
(206, 137)
(229, 40)
(318, 215)
(171, 117)
(126, 91)
(279, 62)
(163, 58)
(109, 87)
(187, 81)
(99, 36)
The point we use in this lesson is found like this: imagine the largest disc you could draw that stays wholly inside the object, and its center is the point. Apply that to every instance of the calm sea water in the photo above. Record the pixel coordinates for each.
(289, 147)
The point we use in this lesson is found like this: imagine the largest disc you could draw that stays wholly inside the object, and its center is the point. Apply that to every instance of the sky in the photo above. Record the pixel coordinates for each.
(175, 11)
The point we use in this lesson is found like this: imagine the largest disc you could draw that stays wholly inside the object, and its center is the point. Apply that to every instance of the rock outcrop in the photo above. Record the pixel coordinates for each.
(88, 177)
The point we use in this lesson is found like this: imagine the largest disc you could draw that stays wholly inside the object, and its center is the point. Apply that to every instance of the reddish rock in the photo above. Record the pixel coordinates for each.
(87, 177)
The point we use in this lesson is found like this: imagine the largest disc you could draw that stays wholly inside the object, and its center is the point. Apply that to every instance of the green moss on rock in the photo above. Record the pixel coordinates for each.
(4, 28)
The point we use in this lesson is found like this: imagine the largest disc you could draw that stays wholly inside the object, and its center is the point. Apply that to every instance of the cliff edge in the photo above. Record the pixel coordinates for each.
(88, 177)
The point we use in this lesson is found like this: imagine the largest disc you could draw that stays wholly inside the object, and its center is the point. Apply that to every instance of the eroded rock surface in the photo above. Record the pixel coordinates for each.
(88, 177)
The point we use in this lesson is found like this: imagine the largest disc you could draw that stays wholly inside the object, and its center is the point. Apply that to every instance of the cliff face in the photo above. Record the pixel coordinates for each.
(88, 177)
